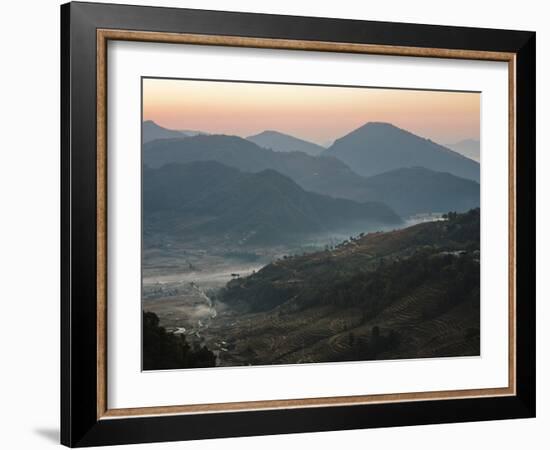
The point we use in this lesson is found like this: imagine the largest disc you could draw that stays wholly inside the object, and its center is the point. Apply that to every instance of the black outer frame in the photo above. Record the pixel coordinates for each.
(79, 423)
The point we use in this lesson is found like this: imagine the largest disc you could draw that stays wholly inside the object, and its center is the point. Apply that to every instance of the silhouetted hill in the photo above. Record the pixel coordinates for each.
(232, 151)
(469, 148)
(419, 190)
(151, 131)
(323, 269)
(193, 132)
(209, 199)
(281, 142)
(409, 293)
(163, 350)
(378, 147)
(324, 175)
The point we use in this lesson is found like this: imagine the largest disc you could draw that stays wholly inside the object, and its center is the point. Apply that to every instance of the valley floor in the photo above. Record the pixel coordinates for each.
(186, 289)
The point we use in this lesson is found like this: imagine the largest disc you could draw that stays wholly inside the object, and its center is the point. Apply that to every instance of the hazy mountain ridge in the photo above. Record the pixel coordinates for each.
(415, 190)
(324, 175)
(378, 147)
(152, 131)
(209, 198)
(281, 142)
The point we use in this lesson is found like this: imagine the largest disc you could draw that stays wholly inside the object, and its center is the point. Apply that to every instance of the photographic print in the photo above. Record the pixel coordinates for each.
(294, 223)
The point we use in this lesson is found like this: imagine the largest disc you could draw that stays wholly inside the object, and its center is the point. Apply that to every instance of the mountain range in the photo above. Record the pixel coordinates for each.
(325, 175)
(213, 199)
(407, 191)
(281, 142)
(415, 190)
(151, 131)
(378, 147)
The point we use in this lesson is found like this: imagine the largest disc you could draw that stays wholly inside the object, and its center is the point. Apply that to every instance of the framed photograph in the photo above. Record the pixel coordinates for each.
(277, 224)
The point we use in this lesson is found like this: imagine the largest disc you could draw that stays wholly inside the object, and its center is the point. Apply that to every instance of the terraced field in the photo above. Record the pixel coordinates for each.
(380, 296)
(323, 334)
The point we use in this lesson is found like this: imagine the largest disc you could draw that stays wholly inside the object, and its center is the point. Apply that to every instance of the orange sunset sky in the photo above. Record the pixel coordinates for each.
(316, 113)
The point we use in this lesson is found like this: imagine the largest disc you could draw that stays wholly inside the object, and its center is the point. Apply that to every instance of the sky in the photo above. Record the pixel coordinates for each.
(319, 114)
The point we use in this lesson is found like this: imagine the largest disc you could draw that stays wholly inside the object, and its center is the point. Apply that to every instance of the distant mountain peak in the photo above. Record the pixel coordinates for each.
(225, 141)
(380, 127)
(379, 130)
(282, 142)
(470, 148)
(152, 131)
(268, 132)
(377, 147)
(376, 123)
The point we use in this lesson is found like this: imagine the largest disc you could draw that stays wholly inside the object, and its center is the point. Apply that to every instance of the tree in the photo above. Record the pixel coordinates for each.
(164, 350)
